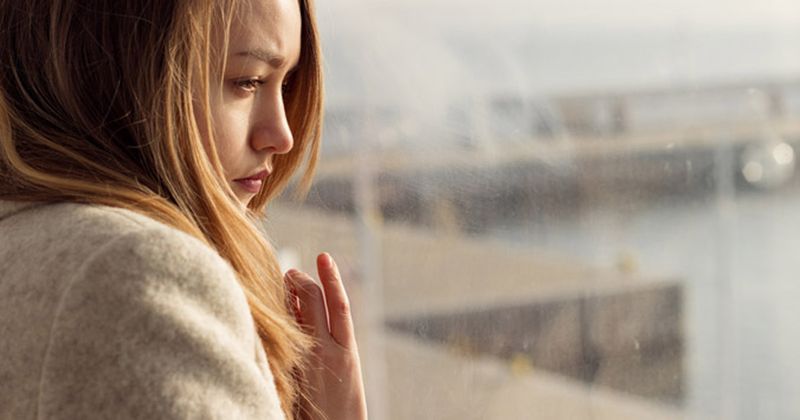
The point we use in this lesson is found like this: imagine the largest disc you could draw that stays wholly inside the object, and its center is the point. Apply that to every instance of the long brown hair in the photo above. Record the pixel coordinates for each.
(97, 105)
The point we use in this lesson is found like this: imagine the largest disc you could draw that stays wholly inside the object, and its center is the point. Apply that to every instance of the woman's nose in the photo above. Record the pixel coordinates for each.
(271, 131)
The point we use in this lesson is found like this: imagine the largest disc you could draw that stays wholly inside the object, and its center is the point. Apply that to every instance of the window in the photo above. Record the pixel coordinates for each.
(563, 209)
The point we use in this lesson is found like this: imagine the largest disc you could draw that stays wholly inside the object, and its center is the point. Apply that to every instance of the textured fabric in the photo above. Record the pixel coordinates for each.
(108, 314)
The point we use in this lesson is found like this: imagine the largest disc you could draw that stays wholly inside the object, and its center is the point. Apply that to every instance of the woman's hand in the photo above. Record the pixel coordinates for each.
(332, 378)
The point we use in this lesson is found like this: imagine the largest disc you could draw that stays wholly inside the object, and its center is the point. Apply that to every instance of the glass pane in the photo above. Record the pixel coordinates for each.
(565, 209)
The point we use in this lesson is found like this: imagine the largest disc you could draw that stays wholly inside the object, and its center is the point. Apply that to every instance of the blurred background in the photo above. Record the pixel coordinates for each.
(563, 209)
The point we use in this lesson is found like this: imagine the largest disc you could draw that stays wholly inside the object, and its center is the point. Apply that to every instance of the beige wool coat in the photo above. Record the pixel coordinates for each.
(107, 314)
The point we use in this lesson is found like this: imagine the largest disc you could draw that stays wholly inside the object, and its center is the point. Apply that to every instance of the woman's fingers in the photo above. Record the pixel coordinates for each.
(312, 304)
(327, 309)
(332, 377)
(339, 314)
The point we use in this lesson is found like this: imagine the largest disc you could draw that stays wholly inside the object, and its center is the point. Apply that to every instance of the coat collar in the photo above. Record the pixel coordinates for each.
(10, 208)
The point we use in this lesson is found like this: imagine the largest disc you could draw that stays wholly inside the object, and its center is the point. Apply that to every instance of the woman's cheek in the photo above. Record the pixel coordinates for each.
(231, 140)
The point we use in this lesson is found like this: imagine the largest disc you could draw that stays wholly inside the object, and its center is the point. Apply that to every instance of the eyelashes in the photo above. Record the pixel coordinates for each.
(250, 86)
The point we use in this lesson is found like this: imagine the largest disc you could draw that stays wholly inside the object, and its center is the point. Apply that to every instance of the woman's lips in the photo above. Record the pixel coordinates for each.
(252, 184)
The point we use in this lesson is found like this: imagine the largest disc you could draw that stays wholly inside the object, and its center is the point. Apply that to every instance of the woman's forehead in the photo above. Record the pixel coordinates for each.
(271, 25)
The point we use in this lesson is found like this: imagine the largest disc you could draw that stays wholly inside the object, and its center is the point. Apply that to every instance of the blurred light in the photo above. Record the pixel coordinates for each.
(783, 154)
(521, 364)
(753, 172)
(768, 164)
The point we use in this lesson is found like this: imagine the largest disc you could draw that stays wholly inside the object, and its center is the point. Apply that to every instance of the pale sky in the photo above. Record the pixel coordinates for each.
(609, 12)
(404, 49)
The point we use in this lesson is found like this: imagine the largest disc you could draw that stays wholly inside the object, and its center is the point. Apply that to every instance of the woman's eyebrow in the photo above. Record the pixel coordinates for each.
(269, 57)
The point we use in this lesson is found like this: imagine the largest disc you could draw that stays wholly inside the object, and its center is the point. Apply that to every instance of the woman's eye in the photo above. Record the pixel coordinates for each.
(249, 85)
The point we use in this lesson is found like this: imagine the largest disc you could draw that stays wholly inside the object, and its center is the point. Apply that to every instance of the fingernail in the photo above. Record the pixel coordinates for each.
(327, 261)
(292, 273)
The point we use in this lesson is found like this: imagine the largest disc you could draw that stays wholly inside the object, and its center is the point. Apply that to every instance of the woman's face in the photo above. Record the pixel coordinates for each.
(249, 119)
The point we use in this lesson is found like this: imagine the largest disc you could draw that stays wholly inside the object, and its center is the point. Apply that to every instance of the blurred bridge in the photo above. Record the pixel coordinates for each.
(506, 131)
(530, 156)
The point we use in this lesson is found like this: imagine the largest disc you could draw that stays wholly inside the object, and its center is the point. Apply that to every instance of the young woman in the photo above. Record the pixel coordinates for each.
(139, 143)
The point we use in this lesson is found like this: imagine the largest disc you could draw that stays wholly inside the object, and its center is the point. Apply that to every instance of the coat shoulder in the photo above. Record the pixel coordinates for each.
(139, 319)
